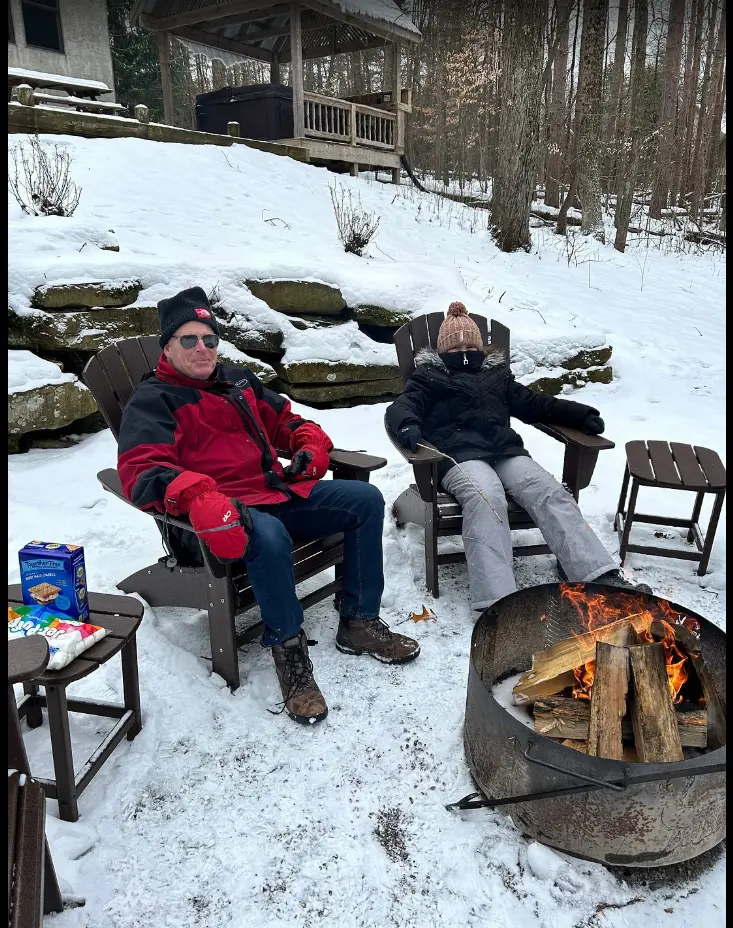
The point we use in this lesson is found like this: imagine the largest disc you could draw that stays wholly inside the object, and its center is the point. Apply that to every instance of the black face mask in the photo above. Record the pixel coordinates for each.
(463, 360)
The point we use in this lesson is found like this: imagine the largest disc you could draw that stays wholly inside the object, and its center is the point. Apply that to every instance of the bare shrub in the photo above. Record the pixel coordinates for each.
(356, 226)
(40, 181)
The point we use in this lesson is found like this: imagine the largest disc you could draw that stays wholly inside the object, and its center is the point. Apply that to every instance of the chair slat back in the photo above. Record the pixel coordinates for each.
(422, 332)
(114, 372)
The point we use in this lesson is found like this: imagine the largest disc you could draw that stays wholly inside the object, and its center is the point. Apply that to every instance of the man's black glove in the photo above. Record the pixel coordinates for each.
(409, 436)
(301, 459)
(592, 424)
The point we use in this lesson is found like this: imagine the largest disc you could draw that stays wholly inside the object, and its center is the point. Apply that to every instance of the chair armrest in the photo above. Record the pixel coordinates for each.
(421, 456)
(570, 436)
(110, 480)
(27, 658)
(355, 460)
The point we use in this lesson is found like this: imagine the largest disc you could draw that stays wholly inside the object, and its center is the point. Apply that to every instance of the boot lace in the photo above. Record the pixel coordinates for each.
(298, 671)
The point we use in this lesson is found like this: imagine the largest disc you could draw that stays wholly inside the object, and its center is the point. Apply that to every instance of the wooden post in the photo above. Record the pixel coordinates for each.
(353, 124)
(354, 170)
(141, 113)
(608, 701)
(233, 129)
(25, 94)
(275, 71)
(164, 57)
(396, 73)
(296, 71)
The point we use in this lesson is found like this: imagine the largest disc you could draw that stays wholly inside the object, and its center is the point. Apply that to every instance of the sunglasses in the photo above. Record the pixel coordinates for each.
(190, 341)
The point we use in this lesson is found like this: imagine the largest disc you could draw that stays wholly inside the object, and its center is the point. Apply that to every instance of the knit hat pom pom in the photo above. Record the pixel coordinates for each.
(457, 309)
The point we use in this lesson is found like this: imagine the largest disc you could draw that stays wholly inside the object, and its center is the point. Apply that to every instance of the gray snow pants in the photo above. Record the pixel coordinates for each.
(488, 542)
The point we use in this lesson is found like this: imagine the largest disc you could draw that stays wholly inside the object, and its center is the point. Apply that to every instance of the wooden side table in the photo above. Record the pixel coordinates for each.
(672, 466)
(121, 616)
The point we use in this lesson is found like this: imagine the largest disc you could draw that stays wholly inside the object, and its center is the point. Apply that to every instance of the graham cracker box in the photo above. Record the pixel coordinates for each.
(54, 575)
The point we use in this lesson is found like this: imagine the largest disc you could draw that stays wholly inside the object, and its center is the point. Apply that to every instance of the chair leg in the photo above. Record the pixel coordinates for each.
(17, 757)
(696, 509)
(33, 714)
(622, 497)
(431, 555)
(63, 759)
(131, 686)
(629, 520)
(51, 891)
(710, 534)
(222, 629)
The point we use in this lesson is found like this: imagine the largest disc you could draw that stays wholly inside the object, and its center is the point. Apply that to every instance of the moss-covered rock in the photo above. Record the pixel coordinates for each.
(89, 330)
(245, 337)
(87, 294)
(595, 357)
(333, 372)
(51, 406)
(299, 297)
(324, 394)
(379, 316)
(577, 378)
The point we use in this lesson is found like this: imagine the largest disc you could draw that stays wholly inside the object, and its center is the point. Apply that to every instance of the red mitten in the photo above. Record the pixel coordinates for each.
(311, 447)
(223, 524)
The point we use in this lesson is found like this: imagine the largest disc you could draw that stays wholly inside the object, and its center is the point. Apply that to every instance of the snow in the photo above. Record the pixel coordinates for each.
(384, 10)
(26, 371)
(220, 814)
(43, 77)
(337, 343)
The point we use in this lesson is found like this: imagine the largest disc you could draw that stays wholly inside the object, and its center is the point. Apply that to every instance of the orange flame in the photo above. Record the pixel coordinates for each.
(653, 621)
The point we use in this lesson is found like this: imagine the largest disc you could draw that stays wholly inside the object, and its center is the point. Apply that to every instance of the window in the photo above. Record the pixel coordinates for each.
(11, 31)
(42, 21)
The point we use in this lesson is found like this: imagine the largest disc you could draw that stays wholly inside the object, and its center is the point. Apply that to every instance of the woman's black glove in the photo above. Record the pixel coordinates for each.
(409, 436)
(592, 424)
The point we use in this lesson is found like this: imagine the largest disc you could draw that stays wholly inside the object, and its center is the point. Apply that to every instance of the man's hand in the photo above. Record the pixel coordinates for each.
(310, 447)
(409, 436)
(593, 424)
(223, 524)
(308, 463)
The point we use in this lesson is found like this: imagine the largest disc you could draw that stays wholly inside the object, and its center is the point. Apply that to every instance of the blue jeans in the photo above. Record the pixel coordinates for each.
(349, 506)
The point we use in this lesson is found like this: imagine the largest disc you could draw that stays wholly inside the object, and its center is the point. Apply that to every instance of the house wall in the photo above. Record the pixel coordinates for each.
(85, 38)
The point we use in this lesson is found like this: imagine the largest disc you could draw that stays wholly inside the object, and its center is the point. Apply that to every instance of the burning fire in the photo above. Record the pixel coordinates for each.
(654, 622)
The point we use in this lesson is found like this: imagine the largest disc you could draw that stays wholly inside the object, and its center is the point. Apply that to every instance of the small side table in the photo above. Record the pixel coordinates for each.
(672, 466)
(121, 616)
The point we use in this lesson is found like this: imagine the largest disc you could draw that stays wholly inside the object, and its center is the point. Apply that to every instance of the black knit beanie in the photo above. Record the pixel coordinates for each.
(187, 306)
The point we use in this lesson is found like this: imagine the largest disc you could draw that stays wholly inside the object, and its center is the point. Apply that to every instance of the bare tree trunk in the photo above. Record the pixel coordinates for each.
(556, 117)
(689, 101)
(668, 118)
(698, 154)
(717, 109)
(586, 159)
(569, 138)
(617, 79)
(521, 93)
(628, 174)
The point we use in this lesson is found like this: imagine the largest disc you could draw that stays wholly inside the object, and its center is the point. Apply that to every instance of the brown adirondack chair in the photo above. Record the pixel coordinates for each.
(189, 576)
(425, 503)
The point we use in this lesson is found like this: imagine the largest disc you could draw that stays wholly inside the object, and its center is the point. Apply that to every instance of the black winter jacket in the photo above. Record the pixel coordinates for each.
(467, 415)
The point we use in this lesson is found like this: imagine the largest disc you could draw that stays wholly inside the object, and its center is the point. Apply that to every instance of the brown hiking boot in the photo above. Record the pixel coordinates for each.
(373, 636)
(302, 699)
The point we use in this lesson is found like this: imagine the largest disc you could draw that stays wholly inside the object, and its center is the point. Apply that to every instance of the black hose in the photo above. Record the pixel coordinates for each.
(410, 174)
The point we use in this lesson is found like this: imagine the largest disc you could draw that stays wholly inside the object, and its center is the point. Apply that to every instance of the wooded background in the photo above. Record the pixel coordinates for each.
(601, 106)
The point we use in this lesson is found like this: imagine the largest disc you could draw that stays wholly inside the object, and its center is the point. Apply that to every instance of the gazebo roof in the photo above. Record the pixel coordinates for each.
(260, 29)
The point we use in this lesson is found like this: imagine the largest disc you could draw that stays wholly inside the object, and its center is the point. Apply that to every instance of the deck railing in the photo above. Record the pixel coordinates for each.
(353, 123)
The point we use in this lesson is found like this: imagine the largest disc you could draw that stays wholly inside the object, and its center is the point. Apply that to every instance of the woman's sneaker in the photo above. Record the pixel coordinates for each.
(616, 578)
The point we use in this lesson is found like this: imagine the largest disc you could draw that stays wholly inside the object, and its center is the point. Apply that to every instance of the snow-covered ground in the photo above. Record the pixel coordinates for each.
(220, 814)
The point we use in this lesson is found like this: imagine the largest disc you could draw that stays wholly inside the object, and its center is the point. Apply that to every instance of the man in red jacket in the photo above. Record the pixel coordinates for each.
(198, 438)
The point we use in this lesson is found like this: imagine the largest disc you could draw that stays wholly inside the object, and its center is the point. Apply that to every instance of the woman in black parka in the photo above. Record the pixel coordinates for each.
(461, 401)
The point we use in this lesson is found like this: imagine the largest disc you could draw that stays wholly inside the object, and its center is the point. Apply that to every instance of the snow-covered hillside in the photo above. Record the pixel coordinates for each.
(222, 815)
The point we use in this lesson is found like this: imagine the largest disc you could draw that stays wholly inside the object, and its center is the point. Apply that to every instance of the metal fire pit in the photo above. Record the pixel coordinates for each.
(676, 816)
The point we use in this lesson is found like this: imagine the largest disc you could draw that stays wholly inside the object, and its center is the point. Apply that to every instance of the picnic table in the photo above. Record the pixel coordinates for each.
(81, 94)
